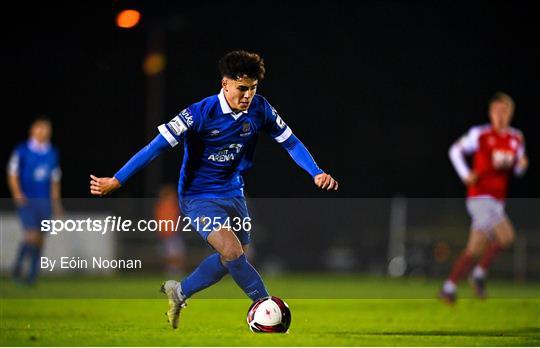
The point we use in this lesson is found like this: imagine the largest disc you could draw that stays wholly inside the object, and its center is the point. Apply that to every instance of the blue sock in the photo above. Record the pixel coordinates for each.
(23, 250)
(247, 278)
(209, 272)
(35, 254)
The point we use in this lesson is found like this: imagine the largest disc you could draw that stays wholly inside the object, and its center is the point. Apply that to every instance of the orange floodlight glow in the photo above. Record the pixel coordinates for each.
(128, 18)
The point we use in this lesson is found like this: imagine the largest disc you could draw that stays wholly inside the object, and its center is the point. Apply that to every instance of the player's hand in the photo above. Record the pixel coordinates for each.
(20, 200)
(471, 180)
(326, 182)
(523, 163)
(103, 186)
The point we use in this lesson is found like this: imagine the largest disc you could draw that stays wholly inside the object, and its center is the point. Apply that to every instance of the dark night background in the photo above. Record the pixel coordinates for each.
(376, 90)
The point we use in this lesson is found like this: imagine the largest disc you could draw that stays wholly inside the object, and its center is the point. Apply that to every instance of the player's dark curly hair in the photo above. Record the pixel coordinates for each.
(237, 64)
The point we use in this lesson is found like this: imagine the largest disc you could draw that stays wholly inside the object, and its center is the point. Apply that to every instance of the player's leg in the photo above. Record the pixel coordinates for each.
(42, 211)
(232, 254)
(30, 246)
(484, 212)
(462, 266)
(23, 252)
(209, 271)
(35, 243)
(503, 237)
(229, 243)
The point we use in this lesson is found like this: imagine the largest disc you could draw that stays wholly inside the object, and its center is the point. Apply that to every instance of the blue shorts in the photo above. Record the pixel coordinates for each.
(206, 215)
(34, 211)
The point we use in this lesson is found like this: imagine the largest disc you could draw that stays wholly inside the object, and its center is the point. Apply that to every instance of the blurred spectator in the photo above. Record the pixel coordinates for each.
(172, 248)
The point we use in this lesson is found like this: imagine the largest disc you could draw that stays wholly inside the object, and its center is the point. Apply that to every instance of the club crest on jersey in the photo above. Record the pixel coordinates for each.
(41, 173)
(226, 154)
(246, 129)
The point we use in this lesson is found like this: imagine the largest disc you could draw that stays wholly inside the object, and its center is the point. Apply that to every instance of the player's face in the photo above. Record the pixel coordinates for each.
(41, 131)
(240, 92)
(500, 114)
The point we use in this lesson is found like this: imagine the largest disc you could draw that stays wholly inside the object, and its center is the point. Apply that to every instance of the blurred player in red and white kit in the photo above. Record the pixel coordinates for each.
(497, 151)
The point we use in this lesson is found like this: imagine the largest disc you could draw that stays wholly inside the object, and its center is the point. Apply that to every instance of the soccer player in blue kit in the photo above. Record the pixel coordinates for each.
(34, 182)
(219, 135)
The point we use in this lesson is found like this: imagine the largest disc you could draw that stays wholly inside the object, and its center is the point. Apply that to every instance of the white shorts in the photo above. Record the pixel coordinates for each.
(485, 212)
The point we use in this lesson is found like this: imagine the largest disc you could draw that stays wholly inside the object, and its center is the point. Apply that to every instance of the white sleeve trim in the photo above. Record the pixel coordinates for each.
(13, 164)
(469, 142)
(284, 136)
(167, 135)
(458, 160)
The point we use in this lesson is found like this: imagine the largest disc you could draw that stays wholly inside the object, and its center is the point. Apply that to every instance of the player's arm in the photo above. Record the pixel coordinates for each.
(56, 190)
(522, 161)
(106, 185)
(170, 135)
(303, 158)
(296, 149)
(13, 180)
(464, 146)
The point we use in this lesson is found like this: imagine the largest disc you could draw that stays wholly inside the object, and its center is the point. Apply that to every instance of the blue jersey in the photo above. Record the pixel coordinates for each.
(219, 144)
(36, 165)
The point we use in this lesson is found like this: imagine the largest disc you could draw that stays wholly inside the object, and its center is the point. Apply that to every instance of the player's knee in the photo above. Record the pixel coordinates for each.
(473, 251)
(506, 241)
(34, 238)
(231, 252)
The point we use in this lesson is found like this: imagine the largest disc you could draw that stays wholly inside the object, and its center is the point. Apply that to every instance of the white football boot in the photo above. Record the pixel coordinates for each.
(176, 302)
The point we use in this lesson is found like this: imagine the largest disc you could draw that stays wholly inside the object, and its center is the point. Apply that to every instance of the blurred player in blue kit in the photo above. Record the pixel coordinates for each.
(34, 182)
(219, 135)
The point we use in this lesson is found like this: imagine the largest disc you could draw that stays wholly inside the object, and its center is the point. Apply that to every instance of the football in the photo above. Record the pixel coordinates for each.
(269, 314)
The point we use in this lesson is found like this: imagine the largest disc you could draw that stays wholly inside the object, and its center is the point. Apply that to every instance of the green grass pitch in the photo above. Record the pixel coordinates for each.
(326, 311)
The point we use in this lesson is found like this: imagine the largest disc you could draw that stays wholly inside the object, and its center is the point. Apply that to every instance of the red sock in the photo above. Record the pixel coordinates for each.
(492, 251)
(462, 266)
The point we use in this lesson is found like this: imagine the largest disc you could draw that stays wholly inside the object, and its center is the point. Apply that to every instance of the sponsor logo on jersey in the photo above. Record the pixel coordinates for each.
(177, 126)
(502, 159)
(187, 117)
(226, 154)
(274, 112)
(280, 122)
